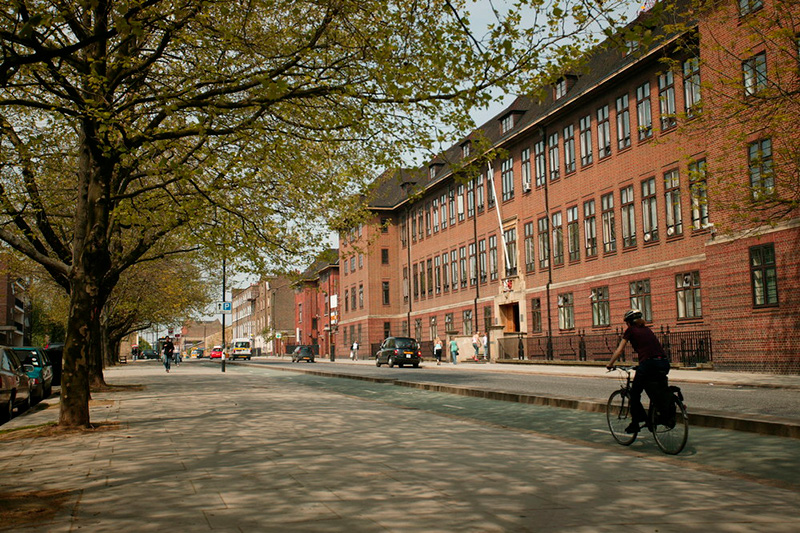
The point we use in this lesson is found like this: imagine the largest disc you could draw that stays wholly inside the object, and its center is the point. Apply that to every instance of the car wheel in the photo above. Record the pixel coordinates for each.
(416, 365)
(7, 411)
(377, 362)
(25, 406)
(391, 362)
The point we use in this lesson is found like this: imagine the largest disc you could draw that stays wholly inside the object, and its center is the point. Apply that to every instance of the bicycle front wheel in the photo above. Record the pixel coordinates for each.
(670, 426)
(618, 414)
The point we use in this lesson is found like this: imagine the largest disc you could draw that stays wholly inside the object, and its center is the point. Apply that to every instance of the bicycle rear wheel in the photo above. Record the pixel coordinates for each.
(618, 414)
(670, 426)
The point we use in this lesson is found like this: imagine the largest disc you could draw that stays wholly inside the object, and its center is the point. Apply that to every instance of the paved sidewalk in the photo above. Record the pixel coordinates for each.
(257, 450)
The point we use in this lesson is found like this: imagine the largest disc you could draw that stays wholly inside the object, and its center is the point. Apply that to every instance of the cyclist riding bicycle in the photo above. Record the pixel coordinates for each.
(651, 374)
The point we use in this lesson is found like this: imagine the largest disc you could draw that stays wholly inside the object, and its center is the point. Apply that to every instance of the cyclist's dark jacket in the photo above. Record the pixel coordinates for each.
(644, 342)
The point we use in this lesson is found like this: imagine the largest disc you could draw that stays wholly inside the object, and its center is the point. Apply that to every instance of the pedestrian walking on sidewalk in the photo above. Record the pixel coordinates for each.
(454, 351)
(168, 349)
(476, 345)
(354, 351)
(437, 350)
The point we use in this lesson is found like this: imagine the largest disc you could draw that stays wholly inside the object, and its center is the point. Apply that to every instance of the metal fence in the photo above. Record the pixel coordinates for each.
(689, 348)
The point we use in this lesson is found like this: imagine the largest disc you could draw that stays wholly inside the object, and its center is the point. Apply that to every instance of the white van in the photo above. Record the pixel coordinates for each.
(240, 348)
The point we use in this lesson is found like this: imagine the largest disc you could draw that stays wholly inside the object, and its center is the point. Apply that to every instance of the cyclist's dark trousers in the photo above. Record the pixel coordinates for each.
(652, 377)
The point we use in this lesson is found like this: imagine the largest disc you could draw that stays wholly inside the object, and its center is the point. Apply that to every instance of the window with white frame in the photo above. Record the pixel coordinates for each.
(644, 113)
(480, 193)
(764, 275)
(443, 210)
(435, 211)
(507, 178)
(672, 200)
(454, 269)
(691, 86)
(697, 188)
(511, 251)
(471, 198)
(569, 149)
(462, 263)
(493, 263)
(687, 295)
(536, 315)
(530, 246)
(749, 6)
(640, 298)
(666, 99)
(558, 239)
(589, 228)
(601, 314)
(762, 178)
(446, 271)
(607, 214)
(540, 163)
(573, 234)
(623, 123)
(649, 211)
(460, 202)
(482, 272)
(586, 140)
(552, 143)
(603, 133)
(754, 72)
(628, 217)
(473, 264)
(544, 242)
(467, 317)
(525, 169)
(437, 267)
(566, 311)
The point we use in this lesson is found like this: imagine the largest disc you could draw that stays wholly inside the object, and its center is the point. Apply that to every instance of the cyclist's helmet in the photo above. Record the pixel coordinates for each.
(632, 315)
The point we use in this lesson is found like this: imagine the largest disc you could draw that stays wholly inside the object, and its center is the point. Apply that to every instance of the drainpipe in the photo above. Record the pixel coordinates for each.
(543, 132)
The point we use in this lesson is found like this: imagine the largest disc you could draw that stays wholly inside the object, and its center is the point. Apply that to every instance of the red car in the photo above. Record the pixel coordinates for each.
(216, 352)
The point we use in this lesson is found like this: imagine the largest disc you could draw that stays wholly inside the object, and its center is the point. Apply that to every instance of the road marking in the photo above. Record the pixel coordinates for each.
(453, 406)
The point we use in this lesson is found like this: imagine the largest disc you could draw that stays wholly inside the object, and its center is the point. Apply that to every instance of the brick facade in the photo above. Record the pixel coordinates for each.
(668, 248)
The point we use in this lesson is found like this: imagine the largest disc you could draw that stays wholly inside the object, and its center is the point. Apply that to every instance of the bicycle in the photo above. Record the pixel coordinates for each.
(669, 423)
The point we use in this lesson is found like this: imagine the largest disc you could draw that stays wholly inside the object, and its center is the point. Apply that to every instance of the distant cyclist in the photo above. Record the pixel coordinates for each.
(169, 349)
(653, 364)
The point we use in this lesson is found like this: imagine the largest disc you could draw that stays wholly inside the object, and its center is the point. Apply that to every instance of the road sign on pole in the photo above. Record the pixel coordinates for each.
(224, 308)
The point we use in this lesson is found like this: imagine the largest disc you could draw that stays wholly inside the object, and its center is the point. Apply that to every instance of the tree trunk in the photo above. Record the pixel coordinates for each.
(75, 374)
(96, 378)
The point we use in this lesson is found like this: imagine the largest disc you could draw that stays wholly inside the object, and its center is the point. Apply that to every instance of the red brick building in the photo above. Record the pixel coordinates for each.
(315, 297)
(604, 197)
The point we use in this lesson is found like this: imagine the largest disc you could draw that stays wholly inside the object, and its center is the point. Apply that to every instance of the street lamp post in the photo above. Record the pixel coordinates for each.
(407, 186)
(222, 358)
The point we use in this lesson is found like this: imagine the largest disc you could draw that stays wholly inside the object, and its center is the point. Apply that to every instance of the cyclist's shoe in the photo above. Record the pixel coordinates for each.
(632, 428)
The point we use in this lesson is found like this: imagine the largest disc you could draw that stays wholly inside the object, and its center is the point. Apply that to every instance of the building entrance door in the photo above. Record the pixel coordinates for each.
(510, 314)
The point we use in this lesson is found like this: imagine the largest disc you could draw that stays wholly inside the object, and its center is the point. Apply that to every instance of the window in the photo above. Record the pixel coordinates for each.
(480, 195)
(573, 235)
(430, 276)
(552, 143)
(437, 267)
(649, 210)
(428, 219)
(384, 256)
(566, 311)
(353, 299)
(422, 288)
(601, 315)
(697, 188)
(609, 234)
(558, 240)
(511, 251)
(403, 230)
(405, 285)
(445, 271)
(460, 202)
(448, 322)
(387, 329)
(506, 123)
(762, 179)
(640, 298)
(754, 71)
(433, 330)
(748, 6)
(454, 269)
(487, 319)
(569, 149)
(462, 262)
(435, 212)
(561, 88)
(507, 178)
(525, 158)
(628, 217)
(385, 292)
(361, 297)
(544, 243)
(623, 123)
(443, 210)
(687, 293)
(666, 99)
(403, 328)
(420, 222)
(540, 163)
(644, 112)
(473, 264)
(345, 266)
(493, 257)
(482, 260)
(672, 199)
(418, 329)
(691, 86)
(452, 206)
(530, 264)
(490, 192)
(352, 263)
(415, 276)
(465, 150)
(346, 300)
(471, 198)
(763, 275)
(603, 133)
(589, 228)
(467, 322)
(536, 315)
(586, 140)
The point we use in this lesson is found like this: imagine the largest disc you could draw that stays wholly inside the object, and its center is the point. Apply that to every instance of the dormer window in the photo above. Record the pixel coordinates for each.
(561, 88)
(432, 170)
(506, 123)
(465, 150)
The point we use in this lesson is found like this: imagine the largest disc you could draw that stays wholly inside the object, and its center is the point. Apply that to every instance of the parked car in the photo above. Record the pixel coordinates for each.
(41, 373)
(216, 352)
(15, 387)
(399, 351)
(149, 354)
(55, 352)
(303, 353)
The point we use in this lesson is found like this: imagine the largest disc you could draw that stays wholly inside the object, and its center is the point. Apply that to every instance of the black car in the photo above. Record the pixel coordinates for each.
(15, 388)
(399, 351)
(303, 353)
(148, 354)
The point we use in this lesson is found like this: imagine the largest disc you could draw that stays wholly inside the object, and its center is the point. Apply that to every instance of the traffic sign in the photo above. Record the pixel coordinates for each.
(224, 307)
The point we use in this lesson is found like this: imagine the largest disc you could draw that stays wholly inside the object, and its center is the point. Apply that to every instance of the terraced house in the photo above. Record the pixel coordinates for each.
(658, 178)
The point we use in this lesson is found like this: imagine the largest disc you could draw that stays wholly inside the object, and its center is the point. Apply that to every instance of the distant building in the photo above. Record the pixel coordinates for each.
(14, 327)
(316, 305)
